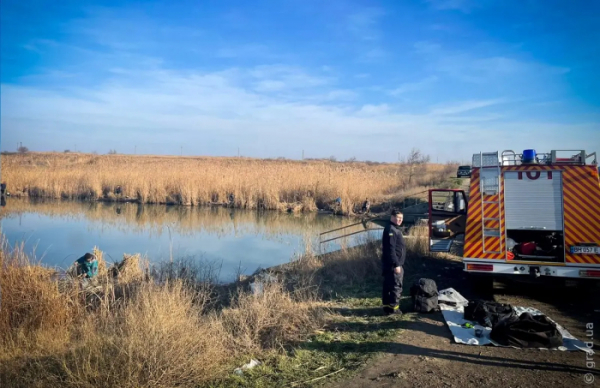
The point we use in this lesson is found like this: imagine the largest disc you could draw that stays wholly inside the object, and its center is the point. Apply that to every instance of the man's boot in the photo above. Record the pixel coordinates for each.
(387, 310)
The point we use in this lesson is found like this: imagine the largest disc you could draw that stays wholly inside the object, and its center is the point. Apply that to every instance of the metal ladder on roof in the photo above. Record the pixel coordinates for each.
(489, 178)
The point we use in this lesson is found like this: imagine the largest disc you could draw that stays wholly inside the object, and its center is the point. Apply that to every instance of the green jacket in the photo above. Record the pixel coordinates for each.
(89, 269)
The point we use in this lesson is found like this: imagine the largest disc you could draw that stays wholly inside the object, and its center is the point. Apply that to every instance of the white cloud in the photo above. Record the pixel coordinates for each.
(213, 113)
(341, 94)
(414, 86)
(462, 5)
(373, 110)
(424, 47)
(373, 54)
(464, 106)
(364, 23)
(468, 66)
(248, 50)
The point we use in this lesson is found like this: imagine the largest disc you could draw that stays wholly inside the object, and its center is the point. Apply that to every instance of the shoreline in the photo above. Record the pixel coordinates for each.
(256, 184)
(285, 208)
(271, 315)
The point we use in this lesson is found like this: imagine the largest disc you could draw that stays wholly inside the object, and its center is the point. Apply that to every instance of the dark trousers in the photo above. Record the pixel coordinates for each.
(392, 290)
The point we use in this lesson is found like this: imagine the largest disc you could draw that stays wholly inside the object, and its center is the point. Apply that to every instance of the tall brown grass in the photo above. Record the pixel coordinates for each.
(167, 326)
(133, 331)
(269, 184)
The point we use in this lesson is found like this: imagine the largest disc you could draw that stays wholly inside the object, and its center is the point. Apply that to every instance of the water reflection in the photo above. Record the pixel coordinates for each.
(59, 231)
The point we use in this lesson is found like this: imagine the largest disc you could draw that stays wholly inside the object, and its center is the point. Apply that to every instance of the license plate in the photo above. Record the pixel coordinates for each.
(585, 250)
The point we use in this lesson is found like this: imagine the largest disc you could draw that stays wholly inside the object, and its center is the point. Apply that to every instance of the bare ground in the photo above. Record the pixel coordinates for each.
(425, 355)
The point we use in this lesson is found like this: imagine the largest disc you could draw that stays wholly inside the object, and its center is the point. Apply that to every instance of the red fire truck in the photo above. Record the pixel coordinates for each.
(524, 214)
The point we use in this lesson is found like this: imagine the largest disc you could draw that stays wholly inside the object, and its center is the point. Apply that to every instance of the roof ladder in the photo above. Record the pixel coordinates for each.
(491, 209)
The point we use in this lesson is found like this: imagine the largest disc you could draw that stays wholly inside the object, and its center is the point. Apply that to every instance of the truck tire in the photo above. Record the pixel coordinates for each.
(482, 283)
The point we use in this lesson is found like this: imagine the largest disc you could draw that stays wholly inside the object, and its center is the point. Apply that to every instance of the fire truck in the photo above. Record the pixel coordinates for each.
(523, 214)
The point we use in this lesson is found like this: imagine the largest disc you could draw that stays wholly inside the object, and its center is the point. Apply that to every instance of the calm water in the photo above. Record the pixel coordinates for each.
(57, 233)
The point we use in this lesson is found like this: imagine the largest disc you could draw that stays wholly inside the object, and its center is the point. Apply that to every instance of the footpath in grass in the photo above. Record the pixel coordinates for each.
(356, 332)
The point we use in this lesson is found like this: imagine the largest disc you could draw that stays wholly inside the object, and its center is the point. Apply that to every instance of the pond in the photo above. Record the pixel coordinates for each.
(235, 241)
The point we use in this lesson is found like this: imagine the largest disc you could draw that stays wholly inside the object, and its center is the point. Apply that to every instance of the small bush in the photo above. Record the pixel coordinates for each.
(268, 320)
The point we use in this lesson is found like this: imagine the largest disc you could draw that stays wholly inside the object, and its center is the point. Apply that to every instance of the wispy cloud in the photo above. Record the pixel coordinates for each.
(373, 55)
(346, 95)
(462, 5)
(247, 50)
(364, 24)
(464, 106)
(424, 47)
(414, 86)
(468, 66)
(270, 78)
(120, 77)
(373, 110)
(215, 108)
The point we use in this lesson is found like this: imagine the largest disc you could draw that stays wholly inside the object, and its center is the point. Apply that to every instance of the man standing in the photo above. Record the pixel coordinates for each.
(394, 254)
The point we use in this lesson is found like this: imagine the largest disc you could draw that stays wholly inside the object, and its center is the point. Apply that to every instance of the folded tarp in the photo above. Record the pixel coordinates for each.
(454, 317)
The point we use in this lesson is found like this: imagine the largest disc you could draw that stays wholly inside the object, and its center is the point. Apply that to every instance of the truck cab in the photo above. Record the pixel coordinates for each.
(463, 172)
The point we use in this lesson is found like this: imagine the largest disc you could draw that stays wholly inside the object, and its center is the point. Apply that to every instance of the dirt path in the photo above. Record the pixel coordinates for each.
(425, 355)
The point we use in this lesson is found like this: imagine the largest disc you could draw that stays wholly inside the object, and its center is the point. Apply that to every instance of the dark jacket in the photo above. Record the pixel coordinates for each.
(394, 250)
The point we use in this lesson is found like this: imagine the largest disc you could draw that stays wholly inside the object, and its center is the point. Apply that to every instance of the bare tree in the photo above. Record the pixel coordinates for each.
(22, 150)
(416, 162)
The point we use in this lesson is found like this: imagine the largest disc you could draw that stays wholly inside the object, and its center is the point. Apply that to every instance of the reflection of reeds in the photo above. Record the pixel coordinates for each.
(269, 184)
(180, 219)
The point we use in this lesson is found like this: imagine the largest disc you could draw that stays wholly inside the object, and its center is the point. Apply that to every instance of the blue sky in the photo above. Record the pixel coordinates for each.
(364, 79)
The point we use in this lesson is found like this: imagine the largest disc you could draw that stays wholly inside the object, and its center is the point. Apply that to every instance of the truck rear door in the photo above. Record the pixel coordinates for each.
(447, 218)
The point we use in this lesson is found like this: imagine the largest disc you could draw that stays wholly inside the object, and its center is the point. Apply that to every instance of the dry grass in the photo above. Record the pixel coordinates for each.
(132, 331)
(31, 302)
(155, 338)
(417, 241)
(268, 320)
(136, 326)
(269, 184)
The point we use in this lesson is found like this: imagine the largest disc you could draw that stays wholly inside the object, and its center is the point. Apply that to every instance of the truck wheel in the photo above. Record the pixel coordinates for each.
(483, 284)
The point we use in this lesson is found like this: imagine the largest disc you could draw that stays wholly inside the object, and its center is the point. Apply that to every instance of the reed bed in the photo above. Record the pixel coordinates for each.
(166, 325)
(249, 183)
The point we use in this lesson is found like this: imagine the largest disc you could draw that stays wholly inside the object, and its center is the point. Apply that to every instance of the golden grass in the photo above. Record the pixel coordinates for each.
(131, 331)
(31, 301)
(255, 183)
(135, 328)
(156, 338)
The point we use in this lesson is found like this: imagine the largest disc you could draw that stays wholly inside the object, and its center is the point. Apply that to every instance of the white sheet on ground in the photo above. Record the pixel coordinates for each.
(452, 297)
(454, 316)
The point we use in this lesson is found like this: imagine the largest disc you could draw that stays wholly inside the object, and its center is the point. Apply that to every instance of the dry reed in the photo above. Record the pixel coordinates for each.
(254, 183)
(131, 331)
(137, 327)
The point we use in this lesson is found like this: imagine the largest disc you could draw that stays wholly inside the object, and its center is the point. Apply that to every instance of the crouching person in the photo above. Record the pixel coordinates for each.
(87, 266)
